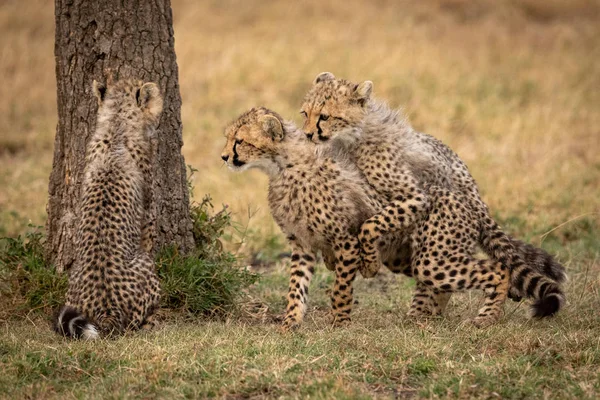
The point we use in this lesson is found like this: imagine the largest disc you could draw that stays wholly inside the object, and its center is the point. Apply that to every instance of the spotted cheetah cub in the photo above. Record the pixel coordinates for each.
(318, 202)
(113, 286)
(423, 183)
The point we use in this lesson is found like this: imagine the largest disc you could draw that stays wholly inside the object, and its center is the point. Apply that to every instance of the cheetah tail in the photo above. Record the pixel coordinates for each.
(71, 323)
(547, 294)
(534, 273)
(541, 261)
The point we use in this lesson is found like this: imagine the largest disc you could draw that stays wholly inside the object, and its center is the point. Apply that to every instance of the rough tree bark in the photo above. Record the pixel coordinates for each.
(125, 38)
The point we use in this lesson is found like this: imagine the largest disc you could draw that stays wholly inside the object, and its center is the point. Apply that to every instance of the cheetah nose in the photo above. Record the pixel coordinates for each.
(225, 157)
(309, 136)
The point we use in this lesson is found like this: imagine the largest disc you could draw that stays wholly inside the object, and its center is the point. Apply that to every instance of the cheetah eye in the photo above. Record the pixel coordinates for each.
(324, 117)
(304, 114)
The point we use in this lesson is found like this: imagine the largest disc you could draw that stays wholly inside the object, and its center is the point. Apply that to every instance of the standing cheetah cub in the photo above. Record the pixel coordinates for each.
(411, 172)
(113, 286)
(318, 202)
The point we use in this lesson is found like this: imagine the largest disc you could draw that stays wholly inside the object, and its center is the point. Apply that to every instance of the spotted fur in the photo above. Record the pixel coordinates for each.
(414, 174)
(318, 202)
(113, 286)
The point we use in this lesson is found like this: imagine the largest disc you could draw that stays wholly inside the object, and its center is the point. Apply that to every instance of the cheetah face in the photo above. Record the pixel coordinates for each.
(252, 140)
(334, 108)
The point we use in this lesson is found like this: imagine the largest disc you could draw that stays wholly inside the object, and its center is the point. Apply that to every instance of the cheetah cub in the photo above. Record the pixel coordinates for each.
(318, 202)
(427, 191)
(113, 286)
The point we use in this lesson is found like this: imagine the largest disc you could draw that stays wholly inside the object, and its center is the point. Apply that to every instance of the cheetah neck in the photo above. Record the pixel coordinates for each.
(380, 122)
(292, 151)
(380, 118)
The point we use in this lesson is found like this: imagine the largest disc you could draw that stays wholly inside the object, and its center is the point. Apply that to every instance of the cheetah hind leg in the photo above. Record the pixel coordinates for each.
(143, 317)
(348, 262)
(495, 284)
(469, 273)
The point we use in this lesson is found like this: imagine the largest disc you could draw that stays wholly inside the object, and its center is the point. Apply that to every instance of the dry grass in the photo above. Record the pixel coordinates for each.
(382, 354)
(512, 86)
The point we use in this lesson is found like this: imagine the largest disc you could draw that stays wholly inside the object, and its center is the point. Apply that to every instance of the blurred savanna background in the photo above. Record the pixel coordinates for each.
(512, 86)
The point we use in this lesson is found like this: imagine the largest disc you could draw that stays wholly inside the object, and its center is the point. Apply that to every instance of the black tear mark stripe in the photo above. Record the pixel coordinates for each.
(235, 153)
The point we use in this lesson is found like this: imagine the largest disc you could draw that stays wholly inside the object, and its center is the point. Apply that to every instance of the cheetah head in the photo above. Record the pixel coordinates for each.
(139, 102)
(252, 140)
(334, 108)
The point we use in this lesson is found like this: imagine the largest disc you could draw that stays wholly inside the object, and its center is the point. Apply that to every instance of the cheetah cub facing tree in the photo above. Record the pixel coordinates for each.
(319, 203)
(113, 286)
(431, 197)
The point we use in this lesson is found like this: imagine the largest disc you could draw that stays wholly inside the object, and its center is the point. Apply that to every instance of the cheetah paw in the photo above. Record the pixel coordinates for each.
(418, 314)
(484, 321)
(339, 322)
(290, 325)
(370, 268)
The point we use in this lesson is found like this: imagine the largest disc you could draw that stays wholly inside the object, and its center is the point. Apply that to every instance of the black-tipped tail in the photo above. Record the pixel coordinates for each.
(547, 305)
(547, 294)
(534, 274)
(540, 280)
(71, 323)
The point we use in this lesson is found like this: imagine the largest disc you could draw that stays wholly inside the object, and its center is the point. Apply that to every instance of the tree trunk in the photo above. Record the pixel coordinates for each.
(124, 38)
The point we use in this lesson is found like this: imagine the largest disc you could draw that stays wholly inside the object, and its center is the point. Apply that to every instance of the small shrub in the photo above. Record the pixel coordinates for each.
(209, 281)
(208, 227)
(26, 283)
(200, 285)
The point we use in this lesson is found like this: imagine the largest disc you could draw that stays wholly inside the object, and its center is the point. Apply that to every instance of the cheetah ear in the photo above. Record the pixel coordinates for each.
(99, 91)
(149, 99)
(362, 93)
(324, 76)
(363, 90)
(272, 126)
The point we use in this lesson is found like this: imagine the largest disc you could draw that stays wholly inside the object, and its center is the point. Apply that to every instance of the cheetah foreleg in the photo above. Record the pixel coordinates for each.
(301, 272)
